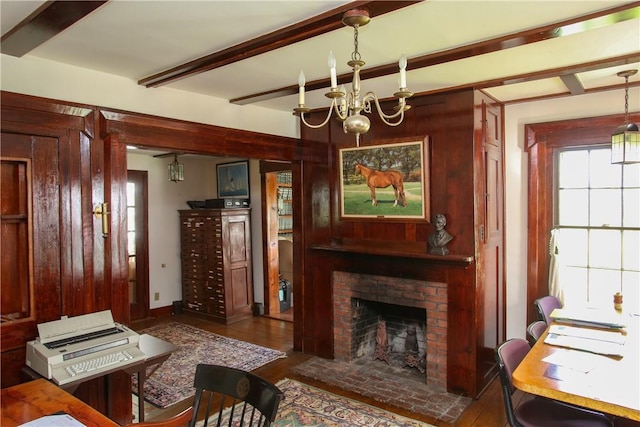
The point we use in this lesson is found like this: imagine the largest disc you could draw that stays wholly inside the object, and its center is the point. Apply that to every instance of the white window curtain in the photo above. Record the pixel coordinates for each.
(555, 266)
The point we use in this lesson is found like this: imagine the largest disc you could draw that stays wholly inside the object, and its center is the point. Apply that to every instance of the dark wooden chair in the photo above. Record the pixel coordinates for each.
(538, 412)
(181, 420)
(234, 397)
(544, 307)
(535, 330)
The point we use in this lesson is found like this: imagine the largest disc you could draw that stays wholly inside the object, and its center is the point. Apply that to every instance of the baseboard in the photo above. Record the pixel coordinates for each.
(166, 311)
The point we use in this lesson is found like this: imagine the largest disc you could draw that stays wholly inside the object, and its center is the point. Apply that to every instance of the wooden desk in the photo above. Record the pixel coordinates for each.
(34, 399)
(612, 387)
(156, 351)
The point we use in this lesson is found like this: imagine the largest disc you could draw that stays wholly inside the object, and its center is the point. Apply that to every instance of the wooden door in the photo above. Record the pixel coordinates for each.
(238, 281)
(492, 241)
(31, 261)
(269, 177)
(137, 244)
(270, 219)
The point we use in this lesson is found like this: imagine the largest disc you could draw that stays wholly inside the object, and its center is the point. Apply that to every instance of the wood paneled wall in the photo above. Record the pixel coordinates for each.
(452, 123)
(92, 158)
(79, 160)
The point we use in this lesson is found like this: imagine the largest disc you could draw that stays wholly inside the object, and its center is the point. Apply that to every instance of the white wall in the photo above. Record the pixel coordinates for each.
(256, 231)
(516, 117)
(39, 77)
(166, 198)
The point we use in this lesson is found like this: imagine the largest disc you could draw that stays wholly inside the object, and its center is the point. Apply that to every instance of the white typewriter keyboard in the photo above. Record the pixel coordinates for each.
(104, 362)
(98, 362)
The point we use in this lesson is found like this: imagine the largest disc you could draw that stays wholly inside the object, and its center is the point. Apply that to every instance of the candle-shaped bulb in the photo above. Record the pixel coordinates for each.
(403, 71)
(332, 69)
(301, 82)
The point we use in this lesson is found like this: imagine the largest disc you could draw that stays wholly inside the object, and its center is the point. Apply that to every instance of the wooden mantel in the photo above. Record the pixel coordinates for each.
(414, 250)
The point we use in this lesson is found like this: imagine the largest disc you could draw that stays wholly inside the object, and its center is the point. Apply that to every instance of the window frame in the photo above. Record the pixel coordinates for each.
(542, 141)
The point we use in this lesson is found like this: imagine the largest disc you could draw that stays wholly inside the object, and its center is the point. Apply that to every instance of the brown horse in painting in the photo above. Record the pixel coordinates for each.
(383, 179)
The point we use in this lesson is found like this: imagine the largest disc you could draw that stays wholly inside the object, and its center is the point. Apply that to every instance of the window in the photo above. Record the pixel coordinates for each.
(131, 241)
(597, 214)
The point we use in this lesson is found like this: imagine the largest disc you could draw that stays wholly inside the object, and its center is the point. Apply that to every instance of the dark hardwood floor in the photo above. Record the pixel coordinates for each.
(488, 411)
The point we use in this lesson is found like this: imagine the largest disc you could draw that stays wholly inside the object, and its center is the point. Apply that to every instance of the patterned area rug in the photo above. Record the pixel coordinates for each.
(305, 405)
(173, 380)
(309, 406)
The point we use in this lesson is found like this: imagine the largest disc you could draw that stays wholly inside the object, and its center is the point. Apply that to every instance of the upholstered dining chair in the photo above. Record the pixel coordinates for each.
(538, 412)
(234, 397)
(544, 307)
(181, 420)
(535, 330)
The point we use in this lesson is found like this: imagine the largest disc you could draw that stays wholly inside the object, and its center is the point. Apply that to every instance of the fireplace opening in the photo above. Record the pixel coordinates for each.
(427, 296)
(391, 334)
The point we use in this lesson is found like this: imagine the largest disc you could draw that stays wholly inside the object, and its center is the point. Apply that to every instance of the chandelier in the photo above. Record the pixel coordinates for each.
(625, 141)
(349, 106)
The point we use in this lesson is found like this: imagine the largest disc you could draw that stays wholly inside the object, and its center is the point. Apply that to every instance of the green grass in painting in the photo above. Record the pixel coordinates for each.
(357, 201)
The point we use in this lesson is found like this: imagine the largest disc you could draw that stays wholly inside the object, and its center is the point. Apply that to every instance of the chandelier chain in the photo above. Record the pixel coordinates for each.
(626, 100)
(355, 55)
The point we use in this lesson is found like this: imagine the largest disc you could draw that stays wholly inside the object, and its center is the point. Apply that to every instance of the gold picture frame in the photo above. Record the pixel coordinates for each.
(387, 180)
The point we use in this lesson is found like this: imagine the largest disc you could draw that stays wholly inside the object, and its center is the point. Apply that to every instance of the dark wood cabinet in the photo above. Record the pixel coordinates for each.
(216, 263)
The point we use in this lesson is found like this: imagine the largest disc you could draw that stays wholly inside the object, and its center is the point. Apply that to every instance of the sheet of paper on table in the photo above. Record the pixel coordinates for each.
(578, 361)
(56, 420)
(585, 344)
(614, 335)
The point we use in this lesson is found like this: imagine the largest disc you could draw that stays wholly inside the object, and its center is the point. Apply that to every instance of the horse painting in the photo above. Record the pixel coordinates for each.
(383, 179)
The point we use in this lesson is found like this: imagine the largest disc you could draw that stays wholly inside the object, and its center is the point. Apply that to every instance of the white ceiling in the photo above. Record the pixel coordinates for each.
(136, 39)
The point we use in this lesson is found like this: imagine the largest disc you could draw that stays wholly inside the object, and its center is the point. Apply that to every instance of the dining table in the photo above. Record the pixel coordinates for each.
(607, 383)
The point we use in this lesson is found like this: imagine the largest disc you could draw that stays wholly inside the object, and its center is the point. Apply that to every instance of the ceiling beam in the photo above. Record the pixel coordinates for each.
(581, 68)
(306, 29)
(616, 61)
(573, 83)
(535, 35)
(48, 20)
(170, 154)
(559, 95)
(539, 75)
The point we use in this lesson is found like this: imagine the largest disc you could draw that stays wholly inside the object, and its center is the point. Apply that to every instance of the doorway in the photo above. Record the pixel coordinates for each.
(137, 244)
(278, 236)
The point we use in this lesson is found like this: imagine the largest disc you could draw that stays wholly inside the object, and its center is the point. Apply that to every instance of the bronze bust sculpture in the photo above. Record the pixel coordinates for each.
(440, 238)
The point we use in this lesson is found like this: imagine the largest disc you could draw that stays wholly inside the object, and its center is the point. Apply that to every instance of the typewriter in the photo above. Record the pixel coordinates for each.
(75, 348)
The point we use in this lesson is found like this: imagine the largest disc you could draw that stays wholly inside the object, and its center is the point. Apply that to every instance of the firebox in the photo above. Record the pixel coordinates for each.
(389, 333)
(406, 304)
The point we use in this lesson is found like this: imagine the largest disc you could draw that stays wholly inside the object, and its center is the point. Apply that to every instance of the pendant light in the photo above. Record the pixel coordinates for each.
(625, 141)
(176, 170)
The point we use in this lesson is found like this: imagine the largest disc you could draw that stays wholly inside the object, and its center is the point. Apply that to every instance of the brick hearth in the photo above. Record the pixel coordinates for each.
(432, 296)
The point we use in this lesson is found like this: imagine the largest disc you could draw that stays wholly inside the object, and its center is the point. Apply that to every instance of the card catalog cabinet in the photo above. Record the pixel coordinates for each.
(216, 263)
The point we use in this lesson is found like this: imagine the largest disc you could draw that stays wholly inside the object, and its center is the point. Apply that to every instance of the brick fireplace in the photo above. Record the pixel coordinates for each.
(349, 288)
